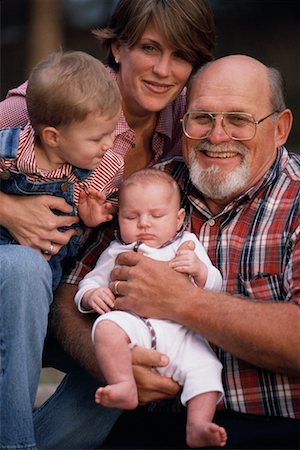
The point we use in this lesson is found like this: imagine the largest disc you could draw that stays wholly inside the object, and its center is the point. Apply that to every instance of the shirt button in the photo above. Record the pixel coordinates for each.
(211, 222)
(64, 187)
(5, 175)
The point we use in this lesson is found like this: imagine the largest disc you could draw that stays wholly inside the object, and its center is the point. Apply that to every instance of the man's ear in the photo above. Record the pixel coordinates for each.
(50, 136)
(284, 126)
(180, 218)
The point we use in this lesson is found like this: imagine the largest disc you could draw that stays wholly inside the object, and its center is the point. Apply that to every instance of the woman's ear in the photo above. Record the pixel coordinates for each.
(180, 218)
(115, 48)
(50, 136)
(284, 126)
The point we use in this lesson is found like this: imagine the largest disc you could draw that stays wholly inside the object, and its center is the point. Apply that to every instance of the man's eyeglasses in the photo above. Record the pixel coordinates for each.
(237, 125)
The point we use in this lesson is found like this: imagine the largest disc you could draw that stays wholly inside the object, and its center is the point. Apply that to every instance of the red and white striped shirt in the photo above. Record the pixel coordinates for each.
(166, 140)
(105, 178)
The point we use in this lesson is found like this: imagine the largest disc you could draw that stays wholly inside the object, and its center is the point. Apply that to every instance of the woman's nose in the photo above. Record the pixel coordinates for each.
(162, 66)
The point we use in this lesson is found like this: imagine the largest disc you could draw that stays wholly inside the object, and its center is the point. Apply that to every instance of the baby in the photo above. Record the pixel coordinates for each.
(151, 222)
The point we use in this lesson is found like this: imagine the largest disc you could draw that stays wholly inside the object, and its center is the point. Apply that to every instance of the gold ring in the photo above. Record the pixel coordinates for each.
(116, 288)
(48, 252)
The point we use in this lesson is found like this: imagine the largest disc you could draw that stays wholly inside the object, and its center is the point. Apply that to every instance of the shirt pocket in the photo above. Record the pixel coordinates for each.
(263, 286)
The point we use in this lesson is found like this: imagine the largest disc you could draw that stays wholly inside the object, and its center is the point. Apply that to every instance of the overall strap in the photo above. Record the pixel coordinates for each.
(9, 141)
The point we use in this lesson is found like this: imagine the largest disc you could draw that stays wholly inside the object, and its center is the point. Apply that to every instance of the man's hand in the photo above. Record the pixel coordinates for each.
(151, 385)
(149, 288)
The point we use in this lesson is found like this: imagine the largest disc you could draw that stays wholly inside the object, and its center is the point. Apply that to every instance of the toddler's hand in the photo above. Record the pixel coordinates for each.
(92, 208)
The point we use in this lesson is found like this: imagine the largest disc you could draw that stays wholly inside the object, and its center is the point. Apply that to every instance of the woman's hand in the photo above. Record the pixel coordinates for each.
(31, 221)
(151, 385)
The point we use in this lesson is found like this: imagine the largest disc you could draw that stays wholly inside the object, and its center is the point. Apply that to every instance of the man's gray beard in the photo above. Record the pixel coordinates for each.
(212, 182)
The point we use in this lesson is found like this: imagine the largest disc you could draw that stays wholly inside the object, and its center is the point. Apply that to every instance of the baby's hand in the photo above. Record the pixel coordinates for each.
(92, 208)
(101, 300)
(186, 261)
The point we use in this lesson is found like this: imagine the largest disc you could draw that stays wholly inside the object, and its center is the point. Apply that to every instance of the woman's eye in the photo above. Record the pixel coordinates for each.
(148, 48)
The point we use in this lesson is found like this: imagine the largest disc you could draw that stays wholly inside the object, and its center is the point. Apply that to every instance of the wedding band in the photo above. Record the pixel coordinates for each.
(49, 252)
(116, 288)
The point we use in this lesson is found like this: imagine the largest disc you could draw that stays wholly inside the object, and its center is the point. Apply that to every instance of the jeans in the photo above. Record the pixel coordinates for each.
(70, 418)
(25, 297)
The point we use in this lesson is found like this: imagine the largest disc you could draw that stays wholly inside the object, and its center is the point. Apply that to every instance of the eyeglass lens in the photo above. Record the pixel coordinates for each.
(198, 125)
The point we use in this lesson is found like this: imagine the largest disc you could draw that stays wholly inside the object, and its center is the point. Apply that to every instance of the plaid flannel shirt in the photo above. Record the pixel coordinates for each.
(255, 244)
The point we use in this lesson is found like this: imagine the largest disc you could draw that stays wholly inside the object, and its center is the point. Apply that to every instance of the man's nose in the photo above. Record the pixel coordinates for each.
(218, 134)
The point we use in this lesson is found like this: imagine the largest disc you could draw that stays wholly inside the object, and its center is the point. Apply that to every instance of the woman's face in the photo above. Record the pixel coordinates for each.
(151, 73)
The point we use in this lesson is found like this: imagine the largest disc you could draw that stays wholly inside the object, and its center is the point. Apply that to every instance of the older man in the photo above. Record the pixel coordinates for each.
(244, 189)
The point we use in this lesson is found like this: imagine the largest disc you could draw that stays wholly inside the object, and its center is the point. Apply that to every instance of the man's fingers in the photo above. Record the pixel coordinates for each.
(151, 385)
(124, 262)
(158, 387)
(128, 259)
(148, 357)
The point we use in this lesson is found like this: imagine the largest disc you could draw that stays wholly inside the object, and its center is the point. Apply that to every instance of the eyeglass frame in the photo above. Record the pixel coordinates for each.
(222, 114)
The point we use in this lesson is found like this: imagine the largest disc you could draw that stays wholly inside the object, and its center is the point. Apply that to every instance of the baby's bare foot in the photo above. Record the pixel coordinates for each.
(121, 395)
(205, 434)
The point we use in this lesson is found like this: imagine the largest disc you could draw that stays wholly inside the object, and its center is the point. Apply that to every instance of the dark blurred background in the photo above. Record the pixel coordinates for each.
(265, 29)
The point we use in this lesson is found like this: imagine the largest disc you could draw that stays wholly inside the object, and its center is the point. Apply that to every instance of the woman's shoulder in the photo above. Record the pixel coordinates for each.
(13, 110)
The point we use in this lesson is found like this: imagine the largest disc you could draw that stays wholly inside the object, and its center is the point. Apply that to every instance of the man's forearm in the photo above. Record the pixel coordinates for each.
(73, 330)
(264, 334)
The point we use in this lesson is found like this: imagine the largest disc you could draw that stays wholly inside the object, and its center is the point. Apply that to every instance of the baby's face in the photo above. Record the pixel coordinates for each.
(149, 213)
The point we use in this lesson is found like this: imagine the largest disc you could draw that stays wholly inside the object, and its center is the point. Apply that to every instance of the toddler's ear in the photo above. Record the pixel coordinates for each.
(50, 136)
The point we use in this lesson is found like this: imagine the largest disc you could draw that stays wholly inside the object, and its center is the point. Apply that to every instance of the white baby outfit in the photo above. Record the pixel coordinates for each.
(193, 364)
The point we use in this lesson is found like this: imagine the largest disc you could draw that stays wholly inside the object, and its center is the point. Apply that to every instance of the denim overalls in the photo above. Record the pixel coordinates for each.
(17, 184)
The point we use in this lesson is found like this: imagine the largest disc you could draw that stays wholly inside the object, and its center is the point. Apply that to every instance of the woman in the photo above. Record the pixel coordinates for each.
(151, 73)
(154, 46)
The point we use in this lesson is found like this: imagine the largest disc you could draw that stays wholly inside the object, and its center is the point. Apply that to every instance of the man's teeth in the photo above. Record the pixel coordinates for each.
(220, 155)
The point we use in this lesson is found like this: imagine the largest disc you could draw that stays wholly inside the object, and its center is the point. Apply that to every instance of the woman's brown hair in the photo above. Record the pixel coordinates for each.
(187, 25)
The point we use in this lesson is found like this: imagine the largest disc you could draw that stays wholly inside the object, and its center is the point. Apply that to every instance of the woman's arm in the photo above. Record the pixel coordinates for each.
(264, 334)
